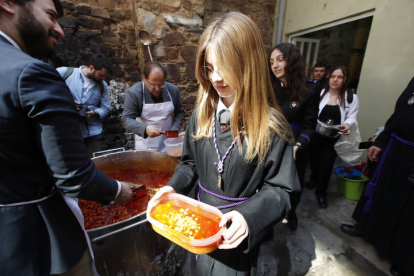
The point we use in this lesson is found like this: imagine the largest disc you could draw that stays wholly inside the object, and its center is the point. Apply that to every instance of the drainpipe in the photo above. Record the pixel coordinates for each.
(280, 21)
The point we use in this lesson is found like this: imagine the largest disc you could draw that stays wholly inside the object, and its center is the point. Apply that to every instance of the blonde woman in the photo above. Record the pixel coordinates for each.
(245, 166)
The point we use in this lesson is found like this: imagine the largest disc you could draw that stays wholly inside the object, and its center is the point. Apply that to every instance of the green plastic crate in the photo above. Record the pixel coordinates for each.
(351, 188)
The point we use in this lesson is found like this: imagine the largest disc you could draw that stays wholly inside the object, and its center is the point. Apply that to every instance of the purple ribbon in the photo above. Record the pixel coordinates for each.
(306, 137)
(237, 200)
(371, 186)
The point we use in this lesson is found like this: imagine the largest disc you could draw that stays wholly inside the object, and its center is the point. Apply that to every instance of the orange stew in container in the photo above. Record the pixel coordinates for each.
(191, 224)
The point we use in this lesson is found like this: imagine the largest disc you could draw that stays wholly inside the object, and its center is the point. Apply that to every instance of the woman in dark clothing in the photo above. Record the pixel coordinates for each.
(248, 159)
(340, 108)
(386, 211)
(299, 101)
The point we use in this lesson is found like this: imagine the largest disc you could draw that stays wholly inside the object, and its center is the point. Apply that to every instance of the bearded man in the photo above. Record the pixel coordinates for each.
(90, 92)
(43, 160)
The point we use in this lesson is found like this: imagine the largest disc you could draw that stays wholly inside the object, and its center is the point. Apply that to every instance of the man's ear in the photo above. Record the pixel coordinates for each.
(142, 75)
(8, 6)
(90, 66)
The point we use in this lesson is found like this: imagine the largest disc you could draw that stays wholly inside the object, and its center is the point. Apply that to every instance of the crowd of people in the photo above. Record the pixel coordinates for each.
(246, 147)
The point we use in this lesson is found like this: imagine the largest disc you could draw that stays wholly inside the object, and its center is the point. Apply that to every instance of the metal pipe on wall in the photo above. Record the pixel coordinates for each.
(280, 21)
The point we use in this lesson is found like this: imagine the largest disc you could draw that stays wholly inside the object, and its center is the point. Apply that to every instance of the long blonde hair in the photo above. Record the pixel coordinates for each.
(242, 62)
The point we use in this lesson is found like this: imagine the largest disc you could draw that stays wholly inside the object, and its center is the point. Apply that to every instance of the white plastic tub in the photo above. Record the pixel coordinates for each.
(174, 146)
(178, 202)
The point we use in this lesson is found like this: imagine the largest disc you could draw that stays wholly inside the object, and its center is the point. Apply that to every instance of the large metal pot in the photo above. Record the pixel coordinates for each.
(326, 130)
(131, 247)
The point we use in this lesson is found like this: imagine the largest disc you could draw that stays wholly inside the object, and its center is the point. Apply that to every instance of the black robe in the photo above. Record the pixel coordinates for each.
(389, 224)
(267, 185)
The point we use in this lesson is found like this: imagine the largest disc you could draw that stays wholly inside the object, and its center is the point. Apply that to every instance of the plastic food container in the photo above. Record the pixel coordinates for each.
(174, 146)
(187, 215)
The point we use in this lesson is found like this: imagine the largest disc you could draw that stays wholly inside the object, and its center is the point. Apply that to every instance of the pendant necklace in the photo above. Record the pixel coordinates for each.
(411, 100)
(220, 164)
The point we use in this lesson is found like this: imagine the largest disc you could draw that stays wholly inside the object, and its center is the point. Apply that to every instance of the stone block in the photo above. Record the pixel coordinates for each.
(159, 52)
(188, 53)
(66, 21)
(131, 39)
(169, 3)
(82, 9)
(116, 70)
(99, 12)
(191, 99)
(173, 72)
(87, 33)
(146, 19)
(173, 39)
(95, 49)
(106, 3)
(68, 5)
(135, 77)
(91, 23)
(190, 70)
(172, 53)
(181, 19)
(107, 40)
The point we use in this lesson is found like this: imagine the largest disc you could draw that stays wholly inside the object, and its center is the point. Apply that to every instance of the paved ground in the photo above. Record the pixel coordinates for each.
(319, 248)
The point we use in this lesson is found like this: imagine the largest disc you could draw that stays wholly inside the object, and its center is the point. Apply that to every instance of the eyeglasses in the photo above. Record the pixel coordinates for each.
(161, 86)
(207, 71)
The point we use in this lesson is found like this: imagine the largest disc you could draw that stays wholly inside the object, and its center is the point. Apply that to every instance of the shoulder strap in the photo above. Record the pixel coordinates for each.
(350, 97)
(101, 86)
(68, 72)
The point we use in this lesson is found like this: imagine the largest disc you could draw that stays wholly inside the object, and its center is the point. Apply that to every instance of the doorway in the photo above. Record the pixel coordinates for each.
(342, 44)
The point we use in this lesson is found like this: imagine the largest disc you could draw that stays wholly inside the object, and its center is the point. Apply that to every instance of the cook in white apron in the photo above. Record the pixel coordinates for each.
(73, 206)
(159, 115)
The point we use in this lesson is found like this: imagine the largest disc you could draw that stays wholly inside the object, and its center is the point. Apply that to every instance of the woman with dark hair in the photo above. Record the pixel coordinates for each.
(336, 107)
(299, 101)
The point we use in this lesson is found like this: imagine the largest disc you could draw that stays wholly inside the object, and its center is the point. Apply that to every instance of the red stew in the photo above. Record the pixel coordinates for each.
(97, 215)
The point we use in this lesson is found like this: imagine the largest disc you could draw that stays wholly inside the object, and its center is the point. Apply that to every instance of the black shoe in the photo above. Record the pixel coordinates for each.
(323, 203)
(351, 230)
(311, 184)
(293, 222)
(394, 270)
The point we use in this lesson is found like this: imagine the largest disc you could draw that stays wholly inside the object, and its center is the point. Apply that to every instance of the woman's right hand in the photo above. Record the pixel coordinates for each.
(156, 198)
(373, 153)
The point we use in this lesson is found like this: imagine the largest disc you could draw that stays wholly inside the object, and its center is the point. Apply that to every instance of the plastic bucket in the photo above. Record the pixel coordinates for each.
(351, 188)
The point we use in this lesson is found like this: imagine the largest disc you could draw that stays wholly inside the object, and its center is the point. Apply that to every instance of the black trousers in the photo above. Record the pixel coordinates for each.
(302, 159)
(93, 144)
(323, 156)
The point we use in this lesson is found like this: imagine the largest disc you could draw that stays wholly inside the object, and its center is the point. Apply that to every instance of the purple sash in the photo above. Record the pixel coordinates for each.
(237, 201)
(371, 186)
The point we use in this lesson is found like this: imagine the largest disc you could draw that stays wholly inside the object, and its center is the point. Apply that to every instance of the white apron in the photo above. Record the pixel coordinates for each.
(159, 115)
(73, 206)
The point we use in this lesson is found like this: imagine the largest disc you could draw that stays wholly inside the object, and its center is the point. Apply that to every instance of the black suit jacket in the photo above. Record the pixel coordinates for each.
(41, 149)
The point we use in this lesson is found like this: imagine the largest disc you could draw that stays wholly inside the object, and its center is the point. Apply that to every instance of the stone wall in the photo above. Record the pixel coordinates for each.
(112, 28)
(262, 12)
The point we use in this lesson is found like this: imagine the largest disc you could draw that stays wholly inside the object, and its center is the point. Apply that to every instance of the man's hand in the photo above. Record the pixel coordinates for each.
(125, 193)
(152, 131)
(89, 114)
(238, 231)
(344, 129)
(373, 153)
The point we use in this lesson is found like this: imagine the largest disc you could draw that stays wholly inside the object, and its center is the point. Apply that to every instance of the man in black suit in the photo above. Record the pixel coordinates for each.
(43, 161)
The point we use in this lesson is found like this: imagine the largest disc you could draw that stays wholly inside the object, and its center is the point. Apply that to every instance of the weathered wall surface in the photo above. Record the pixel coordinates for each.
(112, 28)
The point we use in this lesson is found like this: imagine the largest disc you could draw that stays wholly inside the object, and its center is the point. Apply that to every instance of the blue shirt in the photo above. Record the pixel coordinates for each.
(94, 99)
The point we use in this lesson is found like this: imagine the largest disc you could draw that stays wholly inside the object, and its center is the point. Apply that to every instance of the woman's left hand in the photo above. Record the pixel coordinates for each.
(344, 129)
(238, 231)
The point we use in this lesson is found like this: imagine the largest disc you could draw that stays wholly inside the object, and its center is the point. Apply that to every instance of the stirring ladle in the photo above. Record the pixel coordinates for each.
(146, 40)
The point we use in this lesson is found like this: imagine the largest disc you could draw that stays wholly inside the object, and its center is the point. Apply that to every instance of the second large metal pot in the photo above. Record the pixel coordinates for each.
(132, 247)
(326, 130)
